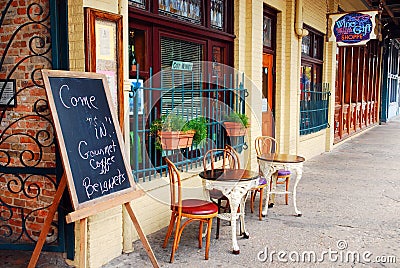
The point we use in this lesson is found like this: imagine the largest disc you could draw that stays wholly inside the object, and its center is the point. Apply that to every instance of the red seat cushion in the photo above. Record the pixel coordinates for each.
(198, 207)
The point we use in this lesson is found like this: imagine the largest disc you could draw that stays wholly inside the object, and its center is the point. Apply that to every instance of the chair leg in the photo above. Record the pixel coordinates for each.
(176, 239)
(209, 224)
(252, 197)
(217, 232)
(287, 189)
(169, 231)
(201, 234)
(261, 203)
(218, 219)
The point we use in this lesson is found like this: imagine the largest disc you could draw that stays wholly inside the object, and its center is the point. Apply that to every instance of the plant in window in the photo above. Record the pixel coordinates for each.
(236, 124)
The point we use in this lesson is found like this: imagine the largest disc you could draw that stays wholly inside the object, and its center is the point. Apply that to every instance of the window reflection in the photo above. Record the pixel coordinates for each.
(217, 13)
(182, 9)
(267, 32)
(306, 44)
(137, 3)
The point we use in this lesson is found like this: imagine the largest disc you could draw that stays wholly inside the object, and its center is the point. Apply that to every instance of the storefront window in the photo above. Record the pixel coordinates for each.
(217, 13)
(305, 78)
(136, 50)
(267, 32)
(305, 45)
(318, 44)
(137, 3)
(182, 9)
(314, 95)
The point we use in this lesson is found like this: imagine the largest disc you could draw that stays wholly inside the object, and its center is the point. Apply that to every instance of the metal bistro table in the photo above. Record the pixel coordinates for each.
(269, 166)
(234, 184)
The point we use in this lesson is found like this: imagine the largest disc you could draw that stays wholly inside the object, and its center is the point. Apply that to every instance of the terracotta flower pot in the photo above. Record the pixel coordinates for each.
(171, 140)
(234, 129)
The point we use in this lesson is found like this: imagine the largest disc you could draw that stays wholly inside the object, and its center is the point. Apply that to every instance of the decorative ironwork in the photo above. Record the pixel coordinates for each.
(27, 215)
(27, 139)
(314, 105)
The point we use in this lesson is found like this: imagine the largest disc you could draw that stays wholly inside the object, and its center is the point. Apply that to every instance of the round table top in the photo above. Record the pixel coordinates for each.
(229, 175)
(281, 158)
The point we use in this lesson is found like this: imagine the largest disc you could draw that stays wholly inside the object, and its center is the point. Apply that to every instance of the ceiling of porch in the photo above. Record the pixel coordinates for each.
(390, 16)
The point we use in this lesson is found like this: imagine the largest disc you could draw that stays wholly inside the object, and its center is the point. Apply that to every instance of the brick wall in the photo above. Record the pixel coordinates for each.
(26, 134)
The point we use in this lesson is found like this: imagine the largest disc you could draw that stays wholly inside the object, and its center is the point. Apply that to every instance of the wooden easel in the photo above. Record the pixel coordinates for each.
(94, 103)
(82, 216)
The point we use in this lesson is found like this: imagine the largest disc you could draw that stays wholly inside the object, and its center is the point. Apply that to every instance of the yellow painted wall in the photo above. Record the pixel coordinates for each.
(315, 17)
(104, 229)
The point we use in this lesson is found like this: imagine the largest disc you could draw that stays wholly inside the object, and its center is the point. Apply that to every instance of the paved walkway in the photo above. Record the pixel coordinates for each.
(350, 200)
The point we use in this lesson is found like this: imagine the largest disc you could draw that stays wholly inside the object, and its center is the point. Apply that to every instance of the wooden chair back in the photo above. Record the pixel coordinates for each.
(229, 159)
(266, 145)
(235, 154)
(174, 186)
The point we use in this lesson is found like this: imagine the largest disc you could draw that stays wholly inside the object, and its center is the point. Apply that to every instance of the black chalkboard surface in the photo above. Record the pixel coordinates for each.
(89, 136)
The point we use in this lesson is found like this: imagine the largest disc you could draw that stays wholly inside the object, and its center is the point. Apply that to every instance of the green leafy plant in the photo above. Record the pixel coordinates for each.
(238, 118)
(169, 122)
(198, 124)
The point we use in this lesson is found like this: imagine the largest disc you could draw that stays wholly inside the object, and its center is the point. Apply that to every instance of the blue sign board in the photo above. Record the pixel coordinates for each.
(354, 28)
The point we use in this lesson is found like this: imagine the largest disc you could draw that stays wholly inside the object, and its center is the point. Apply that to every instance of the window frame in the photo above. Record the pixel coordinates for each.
(152, 11)
(314, 34)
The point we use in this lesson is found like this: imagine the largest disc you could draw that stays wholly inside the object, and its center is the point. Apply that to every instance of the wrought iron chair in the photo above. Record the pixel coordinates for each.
(267, 144)
(192, 209)
(230, 160)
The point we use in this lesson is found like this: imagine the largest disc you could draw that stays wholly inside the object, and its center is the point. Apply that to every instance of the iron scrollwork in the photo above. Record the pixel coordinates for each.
(27, 138)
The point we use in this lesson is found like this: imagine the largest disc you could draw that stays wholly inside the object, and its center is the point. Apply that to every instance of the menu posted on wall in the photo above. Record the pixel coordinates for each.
(89, 137)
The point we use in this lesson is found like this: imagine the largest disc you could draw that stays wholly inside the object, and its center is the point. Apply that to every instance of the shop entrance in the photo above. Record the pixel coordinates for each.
(268, 105)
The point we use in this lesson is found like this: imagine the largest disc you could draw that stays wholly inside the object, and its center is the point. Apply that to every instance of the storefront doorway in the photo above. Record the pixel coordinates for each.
(268, 107)
(268, 71)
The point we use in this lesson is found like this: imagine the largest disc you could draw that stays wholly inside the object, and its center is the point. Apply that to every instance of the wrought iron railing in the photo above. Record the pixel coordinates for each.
(190, 95)
(314, 109)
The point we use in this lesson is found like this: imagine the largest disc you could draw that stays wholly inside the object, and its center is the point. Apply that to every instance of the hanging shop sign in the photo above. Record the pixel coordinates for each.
(352, 29)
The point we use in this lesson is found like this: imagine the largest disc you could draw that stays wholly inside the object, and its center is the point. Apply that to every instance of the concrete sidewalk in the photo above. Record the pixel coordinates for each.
(350, 200)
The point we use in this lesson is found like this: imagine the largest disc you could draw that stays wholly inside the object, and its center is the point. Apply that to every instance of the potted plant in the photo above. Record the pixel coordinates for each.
(174, 132)
(236, 124)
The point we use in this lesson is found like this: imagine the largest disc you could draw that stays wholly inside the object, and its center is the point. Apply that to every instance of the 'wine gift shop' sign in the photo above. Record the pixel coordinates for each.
(349, 29)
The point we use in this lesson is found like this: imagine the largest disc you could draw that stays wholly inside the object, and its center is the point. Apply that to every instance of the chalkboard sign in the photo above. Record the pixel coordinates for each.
(90, 140)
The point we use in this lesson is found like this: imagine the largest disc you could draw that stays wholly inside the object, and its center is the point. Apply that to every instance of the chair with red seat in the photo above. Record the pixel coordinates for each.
(268, 145)
(192, 209)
